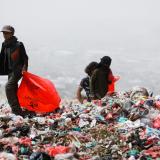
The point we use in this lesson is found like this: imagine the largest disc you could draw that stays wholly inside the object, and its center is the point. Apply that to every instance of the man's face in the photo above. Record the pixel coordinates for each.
(7, 35)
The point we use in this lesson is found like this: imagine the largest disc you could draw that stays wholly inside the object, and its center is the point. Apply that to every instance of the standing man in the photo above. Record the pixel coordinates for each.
(13, 62)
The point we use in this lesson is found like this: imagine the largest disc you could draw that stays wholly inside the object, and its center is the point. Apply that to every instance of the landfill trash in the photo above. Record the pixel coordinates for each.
(7, 156)
(52, 151)
(139, 92)
(68, 156)
(119, 126)
(156, 122)
(39, 156)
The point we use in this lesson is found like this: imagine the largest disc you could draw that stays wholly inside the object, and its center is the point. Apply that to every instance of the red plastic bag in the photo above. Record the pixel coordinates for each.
(25, 141)
(38, 94)
(113, 79)
(52, 151)
(156, 122)
(111, 87)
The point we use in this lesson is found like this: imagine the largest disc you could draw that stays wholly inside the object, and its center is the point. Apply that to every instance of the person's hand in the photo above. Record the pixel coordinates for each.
(23, 71)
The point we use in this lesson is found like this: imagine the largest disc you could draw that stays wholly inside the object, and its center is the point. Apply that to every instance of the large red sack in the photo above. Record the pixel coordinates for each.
(38, 94)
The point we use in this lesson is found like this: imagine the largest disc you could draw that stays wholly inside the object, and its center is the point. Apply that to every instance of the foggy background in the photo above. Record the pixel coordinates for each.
(62, 36)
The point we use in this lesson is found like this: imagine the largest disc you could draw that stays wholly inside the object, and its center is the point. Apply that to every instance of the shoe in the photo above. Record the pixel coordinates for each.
(26, 114)
(29, 114)
(21, 113)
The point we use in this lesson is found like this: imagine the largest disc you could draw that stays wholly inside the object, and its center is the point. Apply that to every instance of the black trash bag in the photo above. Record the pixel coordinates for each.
(39, 156)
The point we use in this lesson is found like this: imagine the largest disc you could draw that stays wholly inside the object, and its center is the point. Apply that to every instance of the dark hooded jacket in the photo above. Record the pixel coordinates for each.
(99, 82)
(13, 57)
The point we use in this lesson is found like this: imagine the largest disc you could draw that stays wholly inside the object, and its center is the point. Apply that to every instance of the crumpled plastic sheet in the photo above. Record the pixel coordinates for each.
(122, 125)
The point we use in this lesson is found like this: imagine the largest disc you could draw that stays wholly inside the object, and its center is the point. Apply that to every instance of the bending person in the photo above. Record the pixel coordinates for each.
(101, 78)
(85, 83)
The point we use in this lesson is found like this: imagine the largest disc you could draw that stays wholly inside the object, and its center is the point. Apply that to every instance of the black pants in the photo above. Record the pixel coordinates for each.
(11, 89)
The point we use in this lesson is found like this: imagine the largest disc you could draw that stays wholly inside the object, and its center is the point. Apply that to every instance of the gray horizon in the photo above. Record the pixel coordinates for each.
(61, 37)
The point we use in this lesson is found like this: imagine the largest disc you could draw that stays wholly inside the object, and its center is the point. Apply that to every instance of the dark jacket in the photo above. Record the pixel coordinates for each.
(13, 57)
(84, 84)
(99, 82)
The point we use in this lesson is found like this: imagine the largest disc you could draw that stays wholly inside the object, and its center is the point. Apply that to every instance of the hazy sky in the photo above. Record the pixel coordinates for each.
(62, 36)
(85, 24)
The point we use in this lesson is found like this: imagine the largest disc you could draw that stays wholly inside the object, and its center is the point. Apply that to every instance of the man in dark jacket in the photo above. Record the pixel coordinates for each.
(13, 62)
(100, 78)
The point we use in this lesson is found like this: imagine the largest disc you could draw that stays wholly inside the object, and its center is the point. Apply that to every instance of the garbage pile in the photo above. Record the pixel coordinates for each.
(122, 126)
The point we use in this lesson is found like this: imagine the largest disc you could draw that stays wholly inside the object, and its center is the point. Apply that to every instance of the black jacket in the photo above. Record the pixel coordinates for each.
(99, 82)
(13, 57)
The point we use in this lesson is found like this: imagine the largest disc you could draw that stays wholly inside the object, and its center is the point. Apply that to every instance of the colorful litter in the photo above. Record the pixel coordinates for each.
(121, 126)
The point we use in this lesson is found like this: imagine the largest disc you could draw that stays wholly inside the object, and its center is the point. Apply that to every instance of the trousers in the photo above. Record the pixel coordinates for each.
(11, 89)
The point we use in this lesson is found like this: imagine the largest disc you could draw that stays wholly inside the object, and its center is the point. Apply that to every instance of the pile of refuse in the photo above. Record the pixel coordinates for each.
(123, 125)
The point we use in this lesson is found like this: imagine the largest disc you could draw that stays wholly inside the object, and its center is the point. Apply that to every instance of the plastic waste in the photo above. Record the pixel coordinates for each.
(156, 122)
(52, 151)
(25, 141)
(122, 119)
(24, 150)
(39, 156)
(152, 132)
(68, 156)
(110, 129)
(133, 152)
(157, 104)
(7, 156)
(139, 93)
(83, 123)
(91, 144)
